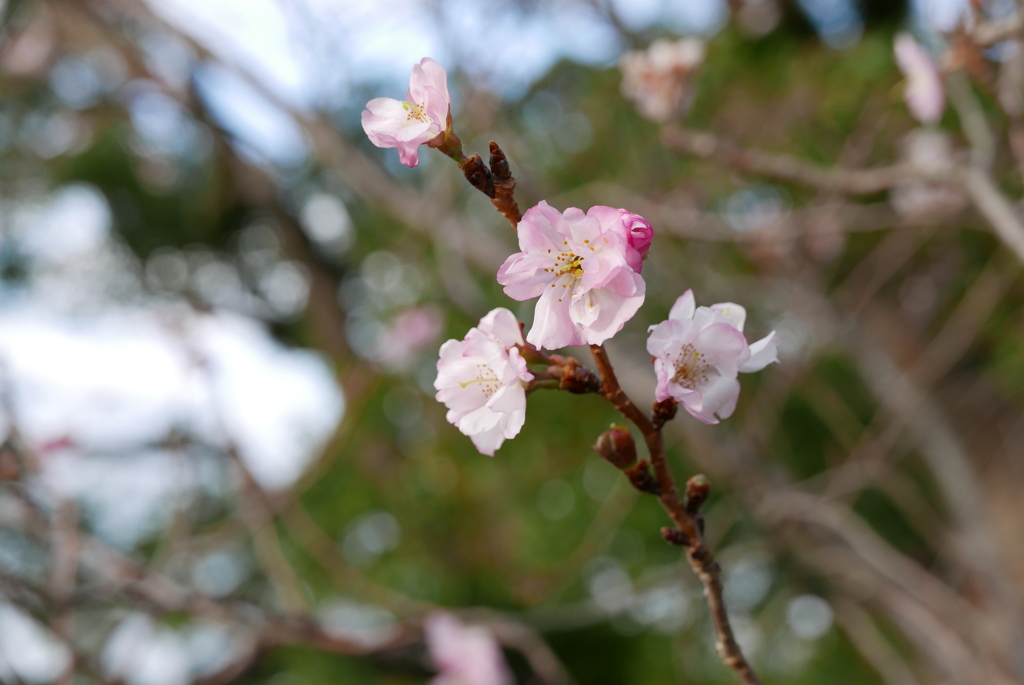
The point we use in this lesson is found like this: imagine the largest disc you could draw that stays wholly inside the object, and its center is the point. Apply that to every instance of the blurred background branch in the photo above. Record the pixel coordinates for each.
(220, 308)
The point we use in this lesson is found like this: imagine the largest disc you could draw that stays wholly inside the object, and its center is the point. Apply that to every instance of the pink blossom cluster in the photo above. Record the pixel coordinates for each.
(482, 380)
(659, 79)
(584, 269)
(464, 655)
(699, 350)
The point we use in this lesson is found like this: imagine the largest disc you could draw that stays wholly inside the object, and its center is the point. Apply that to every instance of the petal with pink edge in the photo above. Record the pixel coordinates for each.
(524, 277)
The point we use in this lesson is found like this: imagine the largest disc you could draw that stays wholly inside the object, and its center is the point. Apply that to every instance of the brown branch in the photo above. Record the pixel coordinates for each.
(978, 184)
(684, 517)
(258, 518)
(990, 33)
(63, 576)
(996, 208)
(546, 667)
(786, 168)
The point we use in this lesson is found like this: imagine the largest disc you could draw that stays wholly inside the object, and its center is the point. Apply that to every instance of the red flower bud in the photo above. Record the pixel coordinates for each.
(617, 447)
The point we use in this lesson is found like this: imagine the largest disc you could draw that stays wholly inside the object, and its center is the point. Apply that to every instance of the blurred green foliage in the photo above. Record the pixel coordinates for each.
(520, 532)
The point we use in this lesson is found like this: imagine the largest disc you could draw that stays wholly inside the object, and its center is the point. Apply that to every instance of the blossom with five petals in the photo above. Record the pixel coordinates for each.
(420, 118)
(699, 350)
(464, 655)
(585, 269)
(482, 380)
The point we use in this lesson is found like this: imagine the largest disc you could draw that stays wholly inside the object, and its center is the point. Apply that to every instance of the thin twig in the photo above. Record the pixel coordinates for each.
(994, 206)
(990, 33)
(63, 577)
(978, 184)
(697, 552)
(787, 168)
(259, 519)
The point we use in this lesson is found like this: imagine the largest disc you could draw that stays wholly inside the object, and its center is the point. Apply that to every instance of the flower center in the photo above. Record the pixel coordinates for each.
(691, 368)
(567, 263)
(416, 112)
(485, 375)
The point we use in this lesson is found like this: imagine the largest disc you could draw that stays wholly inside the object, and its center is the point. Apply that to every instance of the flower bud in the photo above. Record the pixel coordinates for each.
(617, 447)
(664, 411)
(697, 489)
(573, 376)
(638, 233)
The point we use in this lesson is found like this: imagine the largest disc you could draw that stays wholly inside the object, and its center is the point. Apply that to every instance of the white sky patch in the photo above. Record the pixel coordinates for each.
(639, 14)
(382, 40)
(314, 53)
(28, 649)
(142, 652)
(305, 48)
(73, 220)
(126, 379)
(941, 15)
(252, 118)
(702, 16)
(249, 33)
(279, 405)
(125, 498)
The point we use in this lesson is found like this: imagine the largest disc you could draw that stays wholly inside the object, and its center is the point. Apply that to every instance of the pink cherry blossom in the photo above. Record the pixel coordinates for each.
(464, 655)
(698, 352)
(659, 80)
(585, 269)
(923, 92)
(408, 334)
(421, 117)
(482, 380)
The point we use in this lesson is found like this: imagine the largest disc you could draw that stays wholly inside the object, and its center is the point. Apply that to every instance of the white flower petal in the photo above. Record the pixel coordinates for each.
(762, 353)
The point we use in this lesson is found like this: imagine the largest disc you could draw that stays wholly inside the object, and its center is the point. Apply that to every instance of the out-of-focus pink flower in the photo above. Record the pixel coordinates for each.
(923, 93)
(658, 79)
(421, 117)
(464, 655)
(409, 332)
(699, 350)
(931, 150)
(584, 268)
(482, 380)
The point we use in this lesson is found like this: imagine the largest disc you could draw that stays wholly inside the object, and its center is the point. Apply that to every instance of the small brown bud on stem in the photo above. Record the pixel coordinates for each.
(663, 412)
(576, 378)
(697, 489)
(478, 175)
(505, 186)
(617, 447)
(641, 478)
(674, 536)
